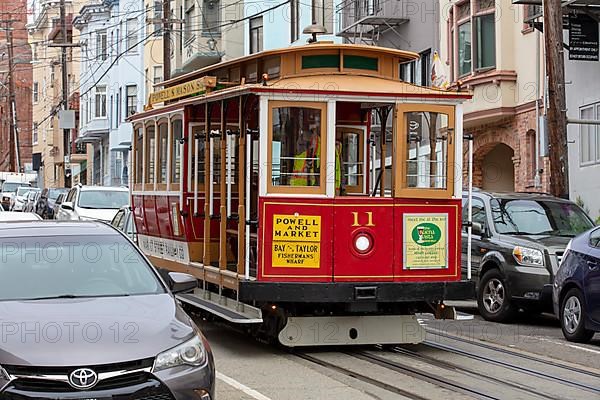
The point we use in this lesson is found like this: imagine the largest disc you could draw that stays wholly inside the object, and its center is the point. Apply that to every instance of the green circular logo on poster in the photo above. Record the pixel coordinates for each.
(426, 234)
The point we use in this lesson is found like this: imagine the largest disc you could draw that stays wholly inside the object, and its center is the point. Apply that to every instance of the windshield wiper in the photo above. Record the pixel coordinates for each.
(60, 296)
(77, 296)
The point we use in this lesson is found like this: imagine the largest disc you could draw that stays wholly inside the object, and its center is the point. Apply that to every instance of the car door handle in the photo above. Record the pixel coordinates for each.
(592, 265)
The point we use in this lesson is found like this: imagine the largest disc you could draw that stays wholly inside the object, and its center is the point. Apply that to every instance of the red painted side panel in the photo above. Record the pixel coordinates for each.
(163, 212)
(371, 222)
(138, 212)
(295, 240)
(150, 216)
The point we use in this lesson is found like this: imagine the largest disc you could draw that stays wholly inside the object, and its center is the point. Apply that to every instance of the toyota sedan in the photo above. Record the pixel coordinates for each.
(85, 316)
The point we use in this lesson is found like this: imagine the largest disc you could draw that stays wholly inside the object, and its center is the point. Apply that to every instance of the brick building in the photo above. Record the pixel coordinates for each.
(13, 20)
(483, 43)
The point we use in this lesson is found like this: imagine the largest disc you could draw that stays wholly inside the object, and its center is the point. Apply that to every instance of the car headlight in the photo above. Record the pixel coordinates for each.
(191, 353)
(528, 257)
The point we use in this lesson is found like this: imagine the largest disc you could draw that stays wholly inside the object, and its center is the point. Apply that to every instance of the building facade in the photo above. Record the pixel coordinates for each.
(48, 138)
(13, 19)
(274, 25)
(405, 25)
(482, 43)
(112, 83)
(583, 102)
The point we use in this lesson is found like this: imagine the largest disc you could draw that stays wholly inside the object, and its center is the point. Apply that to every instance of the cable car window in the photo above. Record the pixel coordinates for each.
(426, 142)
(427, 154)
(150, 154)
(139, 147)
(176, 158)
(163, 147)
(297, 146)
(199, 151)
(349, 169)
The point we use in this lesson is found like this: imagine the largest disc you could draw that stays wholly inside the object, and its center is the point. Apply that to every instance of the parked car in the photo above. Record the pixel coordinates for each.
(93, 202)
(142, 344)
(57, 203)
(10, 216)
(518, 242)
(124, 222)
(576, 291)
(20, 198)
(45, 204)
(32, 199)
(8, 192)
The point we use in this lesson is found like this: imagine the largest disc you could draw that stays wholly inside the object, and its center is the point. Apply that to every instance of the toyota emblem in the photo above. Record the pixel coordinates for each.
(83, 378)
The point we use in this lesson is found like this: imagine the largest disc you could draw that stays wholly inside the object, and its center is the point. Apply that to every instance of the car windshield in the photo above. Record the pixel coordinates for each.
(539, 217)
(22, 190)
(12, 186)
(70, 266)
(54, 193)
(112, 199)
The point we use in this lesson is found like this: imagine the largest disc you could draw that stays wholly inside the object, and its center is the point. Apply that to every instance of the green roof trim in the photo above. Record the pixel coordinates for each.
(321, 61)
(361, 62)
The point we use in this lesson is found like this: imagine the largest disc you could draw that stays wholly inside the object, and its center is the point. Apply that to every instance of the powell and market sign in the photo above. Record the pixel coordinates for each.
(193, 87)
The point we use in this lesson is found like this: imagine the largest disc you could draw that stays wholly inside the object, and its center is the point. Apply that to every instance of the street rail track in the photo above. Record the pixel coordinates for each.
(530, 357)
(456, 367)
(361, 377)
(515, 367)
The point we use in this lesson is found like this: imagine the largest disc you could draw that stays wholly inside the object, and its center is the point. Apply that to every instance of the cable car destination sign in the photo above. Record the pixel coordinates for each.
(195, 86)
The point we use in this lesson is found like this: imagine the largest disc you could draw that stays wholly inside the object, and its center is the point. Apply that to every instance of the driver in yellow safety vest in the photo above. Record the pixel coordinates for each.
(307, 163)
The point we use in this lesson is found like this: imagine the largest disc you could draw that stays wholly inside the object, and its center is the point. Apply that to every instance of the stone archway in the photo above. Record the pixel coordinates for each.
(495, 168)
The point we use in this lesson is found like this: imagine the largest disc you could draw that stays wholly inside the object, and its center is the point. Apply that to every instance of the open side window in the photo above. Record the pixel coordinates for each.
(297, 147)
(425, 150)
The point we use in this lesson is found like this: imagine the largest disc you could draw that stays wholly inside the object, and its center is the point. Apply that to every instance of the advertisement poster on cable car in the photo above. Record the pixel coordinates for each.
(425, 241)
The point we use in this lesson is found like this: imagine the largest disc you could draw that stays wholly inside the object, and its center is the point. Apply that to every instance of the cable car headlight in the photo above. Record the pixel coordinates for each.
(363, 243)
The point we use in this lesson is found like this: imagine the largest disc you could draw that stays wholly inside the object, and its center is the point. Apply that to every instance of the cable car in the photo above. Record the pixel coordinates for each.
(315, 195)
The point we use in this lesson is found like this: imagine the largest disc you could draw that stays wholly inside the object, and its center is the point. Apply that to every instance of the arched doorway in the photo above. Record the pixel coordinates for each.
(498, 169)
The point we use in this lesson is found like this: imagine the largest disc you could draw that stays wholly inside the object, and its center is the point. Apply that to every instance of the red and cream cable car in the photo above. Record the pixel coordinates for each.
(315, 196)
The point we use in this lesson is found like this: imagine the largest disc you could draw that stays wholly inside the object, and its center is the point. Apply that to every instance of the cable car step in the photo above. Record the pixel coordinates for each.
(221, 306)
(351, 330)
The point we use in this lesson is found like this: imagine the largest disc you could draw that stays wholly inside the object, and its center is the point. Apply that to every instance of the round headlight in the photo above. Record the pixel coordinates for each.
(363, 243)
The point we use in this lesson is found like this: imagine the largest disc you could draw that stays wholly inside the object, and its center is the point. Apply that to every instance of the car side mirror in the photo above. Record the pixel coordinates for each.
(180, 282)
(67, 206)
(478, 229)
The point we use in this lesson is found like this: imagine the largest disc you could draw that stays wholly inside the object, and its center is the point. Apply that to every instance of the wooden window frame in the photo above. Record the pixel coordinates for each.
(400, 122)
(161, 185)
(175, 185)
(201, 126)
(146, 157)
(312, 190)
(138, 177)
(360, 188)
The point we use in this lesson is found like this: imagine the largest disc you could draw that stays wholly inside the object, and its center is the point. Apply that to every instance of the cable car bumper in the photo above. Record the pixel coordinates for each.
(350, 292)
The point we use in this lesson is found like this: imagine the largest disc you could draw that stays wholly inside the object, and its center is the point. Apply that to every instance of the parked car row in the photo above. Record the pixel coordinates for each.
(78, 203)
(534, 252)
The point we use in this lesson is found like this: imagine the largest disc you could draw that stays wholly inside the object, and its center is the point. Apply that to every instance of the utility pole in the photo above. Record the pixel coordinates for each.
(15, 159)
(166, 39)
(65, 91)
(556, 114)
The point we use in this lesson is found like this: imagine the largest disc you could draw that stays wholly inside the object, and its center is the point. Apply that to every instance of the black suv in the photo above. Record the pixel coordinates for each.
(518, 240)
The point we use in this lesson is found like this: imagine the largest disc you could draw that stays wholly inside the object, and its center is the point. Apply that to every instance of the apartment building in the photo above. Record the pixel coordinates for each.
(112, 35)
(48, 139)
(490, 49)
(13, 34)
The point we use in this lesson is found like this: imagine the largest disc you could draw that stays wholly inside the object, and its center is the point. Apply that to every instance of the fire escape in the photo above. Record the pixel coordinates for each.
(365, 21)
